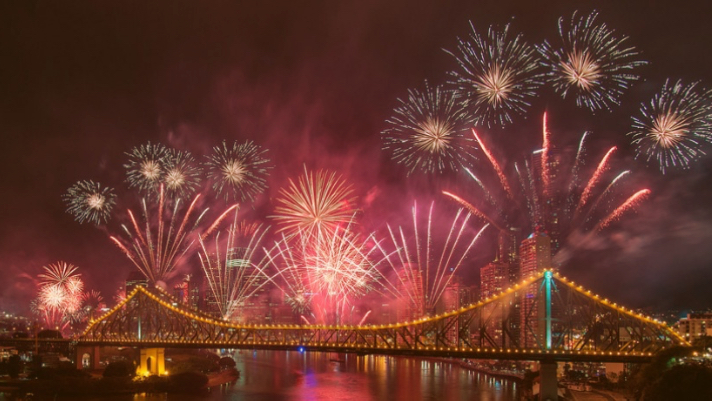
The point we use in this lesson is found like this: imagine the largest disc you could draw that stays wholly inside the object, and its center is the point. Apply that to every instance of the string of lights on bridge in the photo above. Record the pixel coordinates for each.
(195, 315)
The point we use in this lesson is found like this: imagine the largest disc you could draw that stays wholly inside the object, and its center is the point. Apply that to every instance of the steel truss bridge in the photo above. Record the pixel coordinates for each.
(543, 318)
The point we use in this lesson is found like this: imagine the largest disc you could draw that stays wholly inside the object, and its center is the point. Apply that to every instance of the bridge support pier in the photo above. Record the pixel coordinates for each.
(153, 361)
(548, 384)
(87, 357)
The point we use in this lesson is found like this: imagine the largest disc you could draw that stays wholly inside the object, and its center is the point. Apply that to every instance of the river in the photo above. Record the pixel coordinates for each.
(314, 376)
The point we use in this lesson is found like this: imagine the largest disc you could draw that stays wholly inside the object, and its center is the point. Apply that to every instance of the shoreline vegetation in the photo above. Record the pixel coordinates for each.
(84, 385)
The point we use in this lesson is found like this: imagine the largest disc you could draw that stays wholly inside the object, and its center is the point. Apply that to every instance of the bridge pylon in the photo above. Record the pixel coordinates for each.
(87, 357)
(152, 362)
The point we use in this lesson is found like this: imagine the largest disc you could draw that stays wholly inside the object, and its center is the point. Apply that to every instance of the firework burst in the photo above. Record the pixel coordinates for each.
(92, 304)
(550, 194)
(672, 128)
(238, 172)
(323, 272)
(182, 175)
(89, 201)
(145, 168)
(316, 202)
(592, 65)
(427, 132)
(60, 293)
(498, 75)
(231, 267)
(156, 248)
(422, 272)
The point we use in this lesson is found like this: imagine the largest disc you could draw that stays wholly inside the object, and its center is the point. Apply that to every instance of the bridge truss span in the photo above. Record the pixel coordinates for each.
(545, 317)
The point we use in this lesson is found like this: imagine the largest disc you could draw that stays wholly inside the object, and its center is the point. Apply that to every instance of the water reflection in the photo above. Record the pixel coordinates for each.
(274, 375)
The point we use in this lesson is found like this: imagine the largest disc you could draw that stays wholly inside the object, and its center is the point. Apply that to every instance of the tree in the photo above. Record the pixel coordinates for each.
(14, 366)
(227, 362)
(120, 369)
(690, 382)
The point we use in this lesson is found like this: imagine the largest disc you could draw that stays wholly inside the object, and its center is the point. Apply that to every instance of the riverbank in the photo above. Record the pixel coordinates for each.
(104, 386)
(223, 377)
(517, 377)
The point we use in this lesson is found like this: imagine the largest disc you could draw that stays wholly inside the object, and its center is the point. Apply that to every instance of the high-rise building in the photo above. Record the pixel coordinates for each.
(450, 298)
(469, 294)
(535, 256)
(187, 292)
(494, 278)
(134, 279)
(694, 326)
(410, 284)
(554, 205)
(498, 276)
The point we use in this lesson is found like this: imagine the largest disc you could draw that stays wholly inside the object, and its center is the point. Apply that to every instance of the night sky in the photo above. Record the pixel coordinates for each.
(83, 82)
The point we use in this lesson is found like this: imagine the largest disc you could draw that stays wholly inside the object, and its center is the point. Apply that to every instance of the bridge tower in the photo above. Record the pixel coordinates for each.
(152, 362)
(548, 384)
(87, 357)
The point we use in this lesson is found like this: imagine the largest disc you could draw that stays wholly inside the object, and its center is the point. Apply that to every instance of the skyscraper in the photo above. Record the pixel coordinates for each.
(535, 254)
(498, 276)
(134, 279)
(411, 305)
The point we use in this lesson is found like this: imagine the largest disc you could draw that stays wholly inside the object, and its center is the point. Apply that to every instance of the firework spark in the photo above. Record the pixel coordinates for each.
(422, 273)
(672, 128)
(145, 168)
(426, 132)
(231, 267)
(92, 304)
(156, 248)
(592, 64)
(238, 172)
(498, 75)
(60, 293)
(89, 201)
(316, 202)
(552, 195)
(182, 175)
(325, 271)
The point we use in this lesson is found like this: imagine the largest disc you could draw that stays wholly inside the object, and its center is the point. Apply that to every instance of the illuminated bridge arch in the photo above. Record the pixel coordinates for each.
(546, 317)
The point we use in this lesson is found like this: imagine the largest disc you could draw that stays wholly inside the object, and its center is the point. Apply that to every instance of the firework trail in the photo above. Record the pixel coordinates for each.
(145, 168)
(238, 172)
(600, 170)
(89, 201)
(578, 161)
(552, 194)
(630, 203)
(495, 165)
(422, 272)
(363, 319)
(498, 75)
(59, 294)
(156, 248)
(427, 130)
(591, 64)
(546, 181)
(473, 210)
(324, 271)
(231, 268)
(316, 202)
(674, 126)
(182, 175)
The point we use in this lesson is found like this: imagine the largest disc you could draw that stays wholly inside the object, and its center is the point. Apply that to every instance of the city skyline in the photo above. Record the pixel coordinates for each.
(314, 85)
